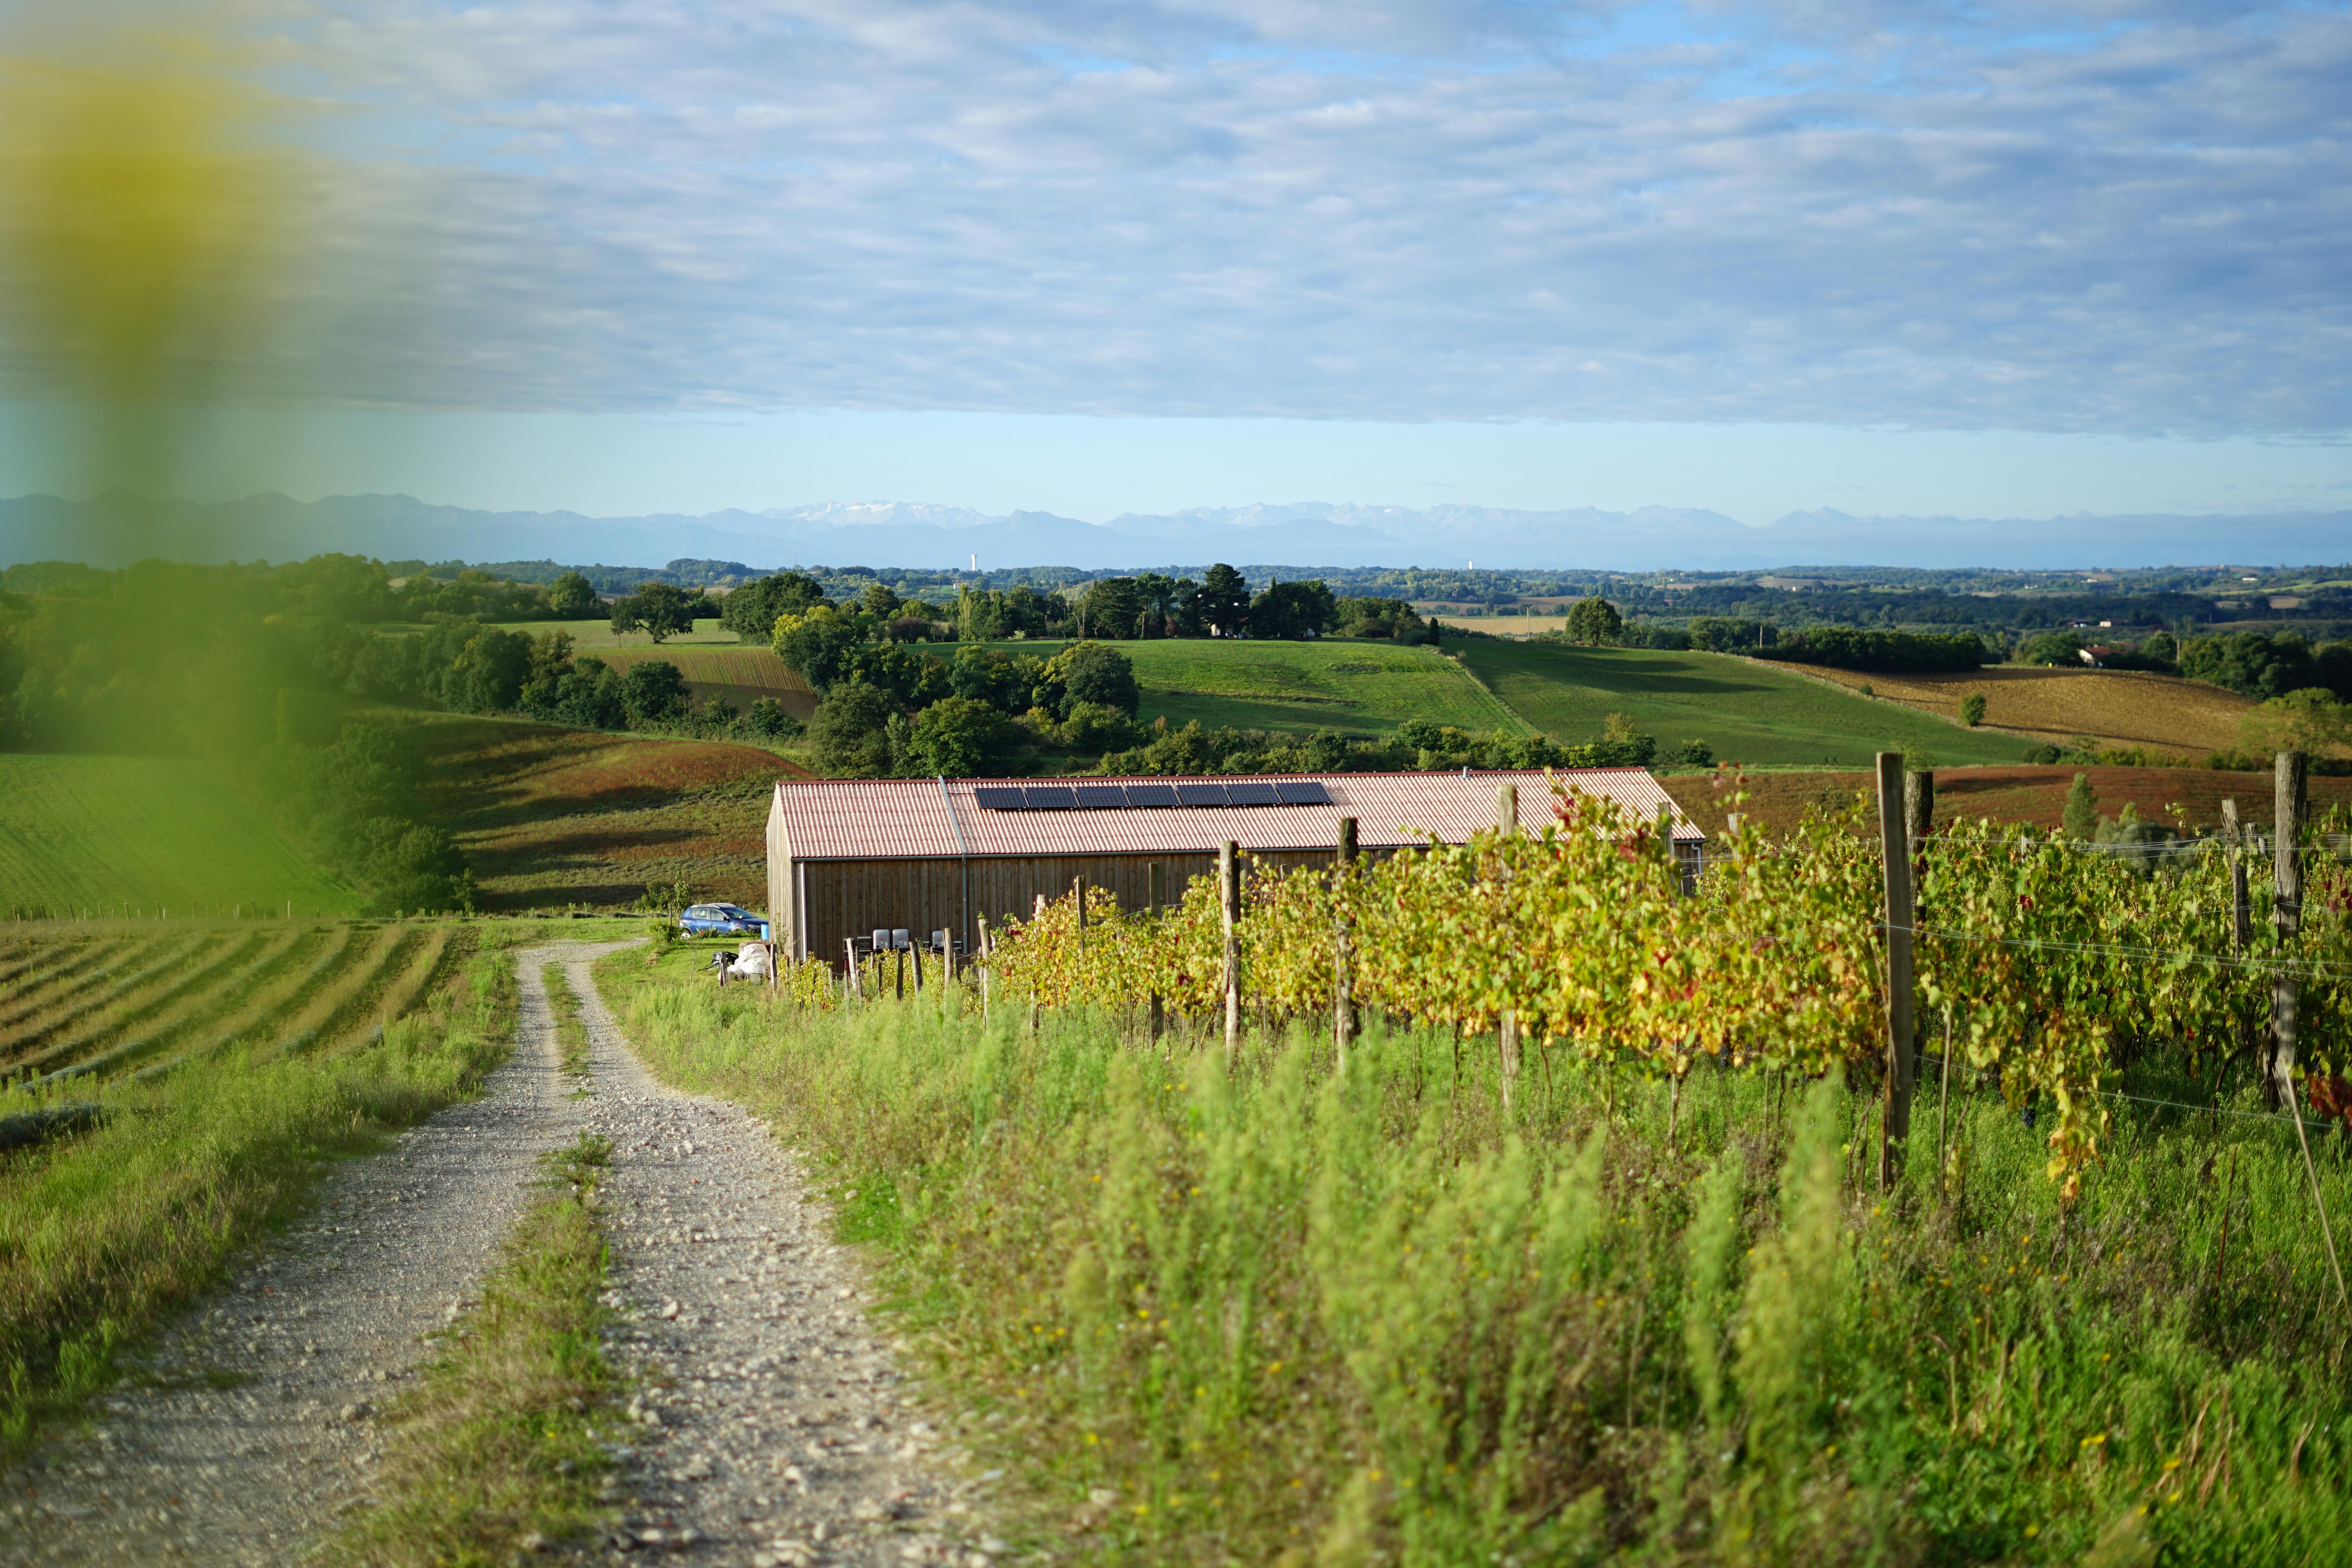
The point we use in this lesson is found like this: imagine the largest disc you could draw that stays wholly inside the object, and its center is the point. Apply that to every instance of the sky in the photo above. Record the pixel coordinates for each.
(1966, 259)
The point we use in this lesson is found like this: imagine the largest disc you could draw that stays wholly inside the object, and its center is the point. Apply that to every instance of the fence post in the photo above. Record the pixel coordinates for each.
(2286, 917)
(1343, 988)
(853, 980)
(2289, 783)
(1078, 897)
(1895, 1125)
(1506, 1026)
(2241, 913)
(1229, 895)
(1918, 821)
(1157, 876)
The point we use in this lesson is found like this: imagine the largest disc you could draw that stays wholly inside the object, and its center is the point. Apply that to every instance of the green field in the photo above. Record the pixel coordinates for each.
(143, 835)
(1361, 688)
(1747, 711)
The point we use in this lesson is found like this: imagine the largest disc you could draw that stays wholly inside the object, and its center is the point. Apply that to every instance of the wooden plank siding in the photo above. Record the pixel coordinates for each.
(853, 898)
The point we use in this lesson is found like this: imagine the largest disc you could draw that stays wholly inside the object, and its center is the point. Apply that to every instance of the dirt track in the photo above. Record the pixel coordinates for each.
(769, 1429)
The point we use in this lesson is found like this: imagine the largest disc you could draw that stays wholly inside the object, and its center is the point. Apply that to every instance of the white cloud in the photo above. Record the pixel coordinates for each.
(2131, 218)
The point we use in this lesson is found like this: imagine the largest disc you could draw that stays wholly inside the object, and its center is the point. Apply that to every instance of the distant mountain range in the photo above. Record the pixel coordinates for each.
(112, 529)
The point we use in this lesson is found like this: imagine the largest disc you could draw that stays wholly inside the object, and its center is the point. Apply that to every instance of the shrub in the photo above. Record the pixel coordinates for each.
(1972, 709)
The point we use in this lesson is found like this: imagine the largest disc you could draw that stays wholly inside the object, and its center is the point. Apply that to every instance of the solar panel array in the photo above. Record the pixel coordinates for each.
(1147, 796)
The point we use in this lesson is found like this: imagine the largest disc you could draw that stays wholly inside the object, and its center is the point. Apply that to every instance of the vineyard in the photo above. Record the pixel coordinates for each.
(111, 997)
(2042, 963)
(1560, 1258)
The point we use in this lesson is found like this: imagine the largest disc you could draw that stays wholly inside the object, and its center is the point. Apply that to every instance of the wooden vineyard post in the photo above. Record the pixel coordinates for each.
(1895, 1125)
(1078, 898)
(2241, 911)
(1507, 1028)
(1918, 821)
(1157, 1009)
(1343, 988)
(2286, 906)
(915, 950)
(2286, 917)
(1229, 897)
(853, 982)
(984, 966)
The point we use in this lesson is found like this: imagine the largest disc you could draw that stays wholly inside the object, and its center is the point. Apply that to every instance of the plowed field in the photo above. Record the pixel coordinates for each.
(552, 817)
(2031, 794)
(2114, 707)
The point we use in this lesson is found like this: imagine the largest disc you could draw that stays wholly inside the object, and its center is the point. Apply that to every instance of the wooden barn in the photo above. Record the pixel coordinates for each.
(848, 855)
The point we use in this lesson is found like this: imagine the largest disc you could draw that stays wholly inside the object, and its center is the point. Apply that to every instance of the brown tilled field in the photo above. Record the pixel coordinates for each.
(2114, 707)
(2032, 795)
(552, 816)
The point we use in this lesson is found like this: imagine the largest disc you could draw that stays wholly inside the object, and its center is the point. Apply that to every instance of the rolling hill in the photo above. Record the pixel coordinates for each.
(1747, 713)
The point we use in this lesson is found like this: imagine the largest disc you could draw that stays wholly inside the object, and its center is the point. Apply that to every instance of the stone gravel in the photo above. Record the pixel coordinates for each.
(769, 1426)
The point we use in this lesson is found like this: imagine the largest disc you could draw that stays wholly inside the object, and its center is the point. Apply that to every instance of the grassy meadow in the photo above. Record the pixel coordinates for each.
(1361, 688)
(1747, 711)
(1289, 1314)
(222, 1133)
(118, 836)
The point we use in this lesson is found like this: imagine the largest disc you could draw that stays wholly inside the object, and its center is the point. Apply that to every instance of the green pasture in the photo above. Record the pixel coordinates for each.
(146, 834)
(1362, 688)
(1748, 711)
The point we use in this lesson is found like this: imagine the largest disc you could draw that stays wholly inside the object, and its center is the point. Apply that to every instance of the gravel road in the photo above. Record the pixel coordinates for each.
(769, 1428)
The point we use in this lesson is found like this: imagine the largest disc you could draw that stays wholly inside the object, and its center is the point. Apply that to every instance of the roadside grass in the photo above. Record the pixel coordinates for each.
(110, 836)
(497, 1454)
(1747, 711)
(570, 1033)
(2120, 708)
(1362, 688)
(552, 817)
(105, 1233)
(1779, 799)
(1281, 1315)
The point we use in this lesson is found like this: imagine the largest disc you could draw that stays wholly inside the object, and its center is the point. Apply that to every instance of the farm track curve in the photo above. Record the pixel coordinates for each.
(770, 1426)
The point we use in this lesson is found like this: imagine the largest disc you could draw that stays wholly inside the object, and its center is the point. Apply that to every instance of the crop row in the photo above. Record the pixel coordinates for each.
(79, 1005)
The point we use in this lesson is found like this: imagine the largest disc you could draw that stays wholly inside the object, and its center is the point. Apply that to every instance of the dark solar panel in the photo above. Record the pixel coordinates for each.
(997, 799)
(1200, 794)
(1051, 797)
(1150, 795)
(1302, 792)
(1101, 798)
(1251, 795)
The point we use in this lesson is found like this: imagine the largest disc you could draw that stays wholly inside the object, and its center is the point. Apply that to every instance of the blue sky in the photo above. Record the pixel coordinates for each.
(1897, 257)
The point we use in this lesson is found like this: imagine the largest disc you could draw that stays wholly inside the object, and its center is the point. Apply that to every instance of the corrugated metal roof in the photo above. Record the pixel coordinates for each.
(879, 819)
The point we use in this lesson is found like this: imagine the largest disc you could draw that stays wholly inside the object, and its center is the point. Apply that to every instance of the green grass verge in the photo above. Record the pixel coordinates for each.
(1278, 1316)
(497, 1455)
(104, 1234)
(1361, 688)
(1748, 712)
(570, 1033)
(114, 833)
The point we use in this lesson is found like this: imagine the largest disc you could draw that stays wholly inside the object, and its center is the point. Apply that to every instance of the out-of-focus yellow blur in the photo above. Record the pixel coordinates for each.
(146, 237)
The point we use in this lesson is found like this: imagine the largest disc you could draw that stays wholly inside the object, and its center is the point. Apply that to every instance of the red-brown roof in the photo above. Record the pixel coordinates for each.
(883, 819)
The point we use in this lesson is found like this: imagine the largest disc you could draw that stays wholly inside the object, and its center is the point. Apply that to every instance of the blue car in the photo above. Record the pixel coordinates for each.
(720, 919)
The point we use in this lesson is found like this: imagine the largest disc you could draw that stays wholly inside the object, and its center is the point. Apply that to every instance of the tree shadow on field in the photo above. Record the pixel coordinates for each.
(1618, 670)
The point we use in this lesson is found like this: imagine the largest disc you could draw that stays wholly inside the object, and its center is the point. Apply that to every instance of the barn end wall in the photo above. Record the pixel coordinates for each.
(853, 898)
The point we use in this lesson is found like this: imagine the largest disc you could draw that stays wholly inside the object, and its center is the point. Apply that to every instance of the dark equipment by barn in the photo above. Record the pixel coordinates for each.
(848, 856)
